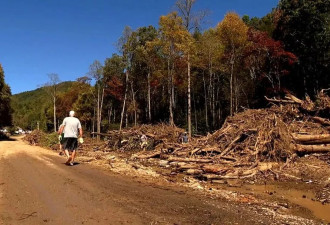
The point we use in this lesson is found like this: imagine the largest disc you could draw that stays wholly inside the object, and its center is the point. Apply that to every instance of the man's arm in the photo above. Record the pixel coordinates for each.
(60, 131)
(80, 131)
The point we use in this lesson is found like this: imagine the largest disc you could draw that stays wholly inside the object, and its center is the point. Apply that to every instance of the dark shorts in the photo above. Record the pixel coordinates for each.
(70, 144)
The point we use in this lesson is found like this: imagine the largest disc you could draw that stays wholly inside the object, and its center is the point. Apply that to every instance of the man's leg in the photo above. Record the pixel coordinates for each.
(67, 153)
(69, 158)
(73, 155)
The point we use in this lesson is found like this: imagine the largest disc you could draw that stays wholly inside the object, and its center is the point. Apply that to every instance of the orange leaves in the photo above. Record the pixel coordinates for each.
(174, 36)
(116, 88)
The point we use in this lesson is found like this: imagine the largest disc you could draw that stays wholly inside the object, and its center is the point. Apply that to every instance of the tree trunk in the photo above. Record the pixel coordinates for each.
(189, 99)
(99, 110)
(134, 104)
(124, 104)
(101, 106)
(54, 100)
(126, 119)
(171, 120)
(231, 84)
(149, 98)
(172, 89)
(93, 121)
(206, 103)
(98, 113)
(110, 113)
(195, 110)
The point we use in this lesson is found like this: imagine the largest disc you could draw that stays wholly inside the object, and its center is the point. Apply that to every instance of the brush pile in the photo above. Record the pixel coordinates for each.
(35, 137)
(252, 141)
(129, 140)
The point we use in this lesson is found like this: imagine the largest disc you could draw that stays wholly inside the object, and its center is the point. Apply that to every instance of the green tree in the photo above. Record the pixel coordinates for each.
(304, 28)
(5, 96)
(266, 24)
(143, 62)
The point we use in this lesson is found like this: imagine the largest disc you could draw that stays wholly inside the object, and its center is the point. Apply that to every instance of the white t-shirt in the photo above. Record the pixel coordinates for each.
(71, 126)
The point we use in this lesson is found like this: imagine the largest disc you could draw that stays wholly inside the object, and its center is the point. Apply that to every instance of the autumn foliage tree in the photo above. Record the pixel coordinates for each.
(267, 61)
(172, 37)
(209, 56)
(232, 32)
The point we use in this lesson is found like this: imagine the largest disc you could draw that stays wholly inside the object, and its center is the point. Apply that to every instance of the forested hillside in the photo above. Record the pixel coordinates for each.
(33, 107)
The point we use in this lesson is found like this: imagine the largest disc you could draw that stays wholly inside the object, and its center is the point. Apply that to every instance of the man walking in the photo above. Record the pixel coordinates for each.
(71, 127)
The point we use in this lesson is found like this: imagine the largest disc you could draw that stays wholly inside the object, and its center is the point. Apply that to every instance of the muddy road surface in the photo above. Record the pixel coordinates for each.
(36, 187)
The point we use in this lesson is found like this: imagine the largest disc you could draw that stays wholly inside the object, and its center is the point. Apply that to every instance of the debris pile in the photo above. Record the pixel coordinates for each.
(251, 141)
(129, 140)
(35, 137)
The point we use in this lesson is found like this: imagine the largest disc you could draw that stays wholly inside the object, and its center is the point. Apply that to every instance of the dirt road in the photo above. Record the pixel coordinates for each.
(36, 187)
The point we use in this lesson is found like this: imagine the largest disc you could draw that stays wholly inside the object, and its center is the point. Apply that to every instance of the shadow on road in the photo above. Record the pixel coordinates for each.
(74, 164)
(7, 139)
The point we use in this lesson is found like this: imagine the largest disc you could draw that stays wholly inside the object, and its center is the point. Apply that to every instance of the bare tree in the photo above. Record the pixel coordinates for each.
(51, 88)
(191, 20)
(96, 72)
(124, 48)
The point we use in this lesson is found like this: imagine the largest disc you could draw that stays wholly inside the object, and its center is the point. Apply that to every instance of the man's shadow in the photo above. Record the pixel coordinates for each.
(74, 164)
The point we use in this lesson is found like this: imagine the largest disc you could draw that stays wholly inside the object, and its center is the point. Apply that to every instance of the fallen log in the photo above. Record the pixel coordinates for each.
(194, 151)
(281, 101)
(311, 148)
(188, 166)
(194, 172)
(220, 132)
(214, 169)
(235, 175)
(312, 139)
(171, 159)
(294, 98)
(228, 148)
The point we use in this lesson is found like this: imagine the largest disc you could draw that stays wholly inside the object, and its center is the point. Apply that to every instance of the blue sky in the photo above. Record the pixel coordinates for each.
(39, 37)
